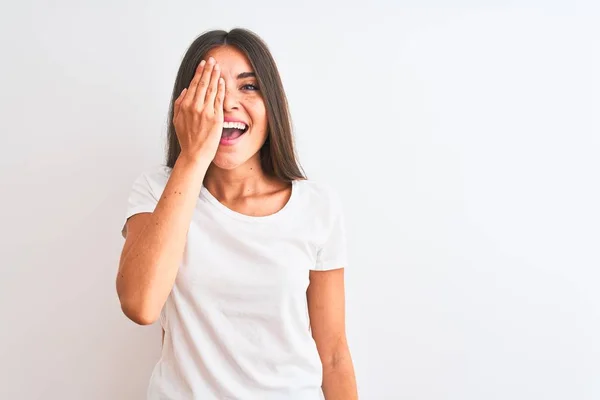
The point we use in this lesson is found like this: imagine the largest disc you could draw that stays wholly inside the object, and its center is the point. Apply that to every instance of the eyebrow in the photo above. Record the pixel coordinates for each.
(246, 75)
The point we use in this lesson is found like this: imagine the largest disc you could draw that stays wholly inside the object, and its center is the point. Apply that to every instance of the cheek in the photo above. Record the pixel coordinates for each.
(257, 110)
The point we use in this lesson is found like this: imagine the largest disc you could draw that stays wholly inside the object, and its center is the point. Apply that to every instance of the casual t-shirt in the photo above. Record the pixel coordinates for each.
(236, 321)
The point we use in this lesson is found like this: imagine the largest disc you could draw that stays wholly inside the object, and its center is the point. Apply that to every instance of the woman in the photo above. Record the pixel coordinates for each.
(239, 256)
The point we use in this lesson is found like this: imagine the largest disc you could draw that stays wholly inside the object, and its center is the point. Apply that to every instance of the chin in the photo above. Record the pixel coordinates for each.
(231, 157)
(229, 161)
(226, 162)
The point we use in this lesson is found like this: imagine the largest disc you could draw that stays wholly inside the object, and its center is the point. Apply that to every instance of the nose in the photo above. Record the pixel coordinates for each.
(231, 101)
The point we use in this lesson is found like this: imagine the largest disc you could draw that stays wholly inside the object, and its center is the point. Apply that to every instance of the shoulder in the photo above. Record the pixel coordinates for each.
(153, 179)
(156, 176)
(325, 215)
(319, 196)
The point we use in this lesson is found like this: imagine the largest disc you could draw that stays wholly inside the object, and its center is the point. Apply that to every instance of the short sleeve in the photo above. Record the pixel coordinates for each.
(141, 199)
(332, 254)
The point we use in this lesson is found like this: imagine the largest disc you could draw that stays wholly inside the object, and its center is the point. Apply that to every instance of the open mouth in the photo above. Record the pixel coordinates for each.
(233, 130)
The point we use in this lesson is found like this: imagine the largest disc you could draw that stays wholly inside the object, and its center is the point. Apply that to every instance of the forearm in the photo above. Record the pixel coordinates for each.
(149, 265)
(339, 382)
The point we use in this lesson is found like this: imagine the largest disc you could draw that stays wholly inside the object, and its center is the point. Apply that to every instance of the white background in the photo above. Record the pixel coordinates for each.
(463, 137)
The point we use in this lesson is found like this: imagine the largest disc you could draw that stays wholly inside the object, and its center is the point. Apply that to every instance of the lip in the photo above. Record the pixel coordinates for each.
(231, 142)
(230, 119)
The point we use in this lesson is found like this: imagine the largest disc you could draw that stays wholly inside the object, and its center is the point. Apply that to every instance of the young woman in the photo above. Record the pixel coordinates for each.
(237, 254)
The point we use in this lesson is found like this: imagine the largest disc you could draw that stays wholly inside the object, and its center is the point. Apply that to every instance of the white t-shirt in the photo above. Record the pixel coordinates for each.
(236, 321)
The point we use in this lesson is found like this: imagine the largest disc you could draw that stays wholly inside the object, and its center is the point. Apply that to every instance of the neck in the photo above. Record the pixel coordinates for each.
(244, 180)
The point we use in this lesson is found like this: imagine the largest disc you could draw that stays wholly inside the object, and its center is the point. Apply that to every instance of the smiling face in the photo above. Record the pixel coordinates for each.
(245, 127)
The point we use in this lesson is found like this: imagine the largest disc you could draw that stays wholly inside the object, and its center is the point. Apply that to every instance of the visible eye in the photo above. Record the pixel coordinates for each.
(250, 87)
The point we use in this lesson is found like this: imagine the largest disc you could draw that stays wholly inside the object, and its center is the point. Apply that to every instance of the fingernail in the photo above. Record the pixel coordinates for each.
(211, 60)
(202, 63)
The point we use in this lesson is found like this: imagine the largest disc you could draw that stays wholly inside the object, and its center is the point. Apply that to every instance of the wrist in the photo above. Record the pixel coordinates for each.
(195, 162)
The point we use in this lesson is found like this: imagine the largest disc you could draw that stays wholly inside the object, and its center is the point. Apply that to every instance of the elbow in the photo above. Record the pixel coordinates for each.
(137, 308)
(138, 313)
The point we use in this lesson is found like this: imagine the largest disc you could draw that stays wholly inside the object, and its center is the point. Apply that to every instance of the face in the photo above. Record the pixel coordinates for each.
(243, 103)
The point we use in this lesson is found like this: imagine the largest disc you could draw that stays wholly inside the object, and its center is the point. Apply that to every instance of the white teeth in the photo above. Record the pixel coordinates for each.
(235, 125)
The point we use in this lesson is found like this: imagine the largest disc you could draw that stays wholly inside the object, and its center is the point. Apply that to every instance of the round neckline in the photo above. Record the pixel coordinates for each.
(204, 192)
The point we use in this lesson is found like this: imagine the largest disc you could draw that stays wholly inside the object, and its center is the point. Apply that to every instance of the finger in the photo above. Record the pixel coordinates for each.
(177, 105)
(211, 91)
(189, 98)
(220, 97)
(203, 83)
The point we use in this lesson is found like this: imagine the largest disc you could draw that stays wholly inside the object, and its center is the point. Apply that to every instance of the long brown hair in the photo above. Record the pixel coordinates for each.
(278, 154)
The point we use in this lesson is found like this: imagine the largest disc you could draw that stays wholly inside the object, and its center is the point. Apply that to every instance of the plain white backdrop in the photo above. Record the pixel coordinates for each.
(462, 136)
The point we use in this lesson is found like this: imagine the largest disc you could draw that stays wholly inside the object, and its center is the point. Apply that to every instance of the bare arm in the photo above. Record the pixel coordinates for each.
(155, 241)
(326, 307)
